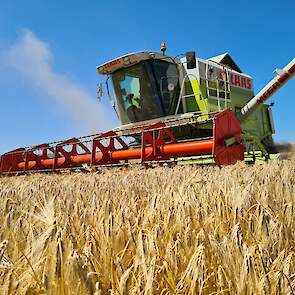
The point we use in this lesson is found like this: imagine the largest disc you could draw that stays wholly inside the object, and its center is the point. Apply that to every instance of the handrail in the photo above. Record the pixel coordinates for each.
(180, 98)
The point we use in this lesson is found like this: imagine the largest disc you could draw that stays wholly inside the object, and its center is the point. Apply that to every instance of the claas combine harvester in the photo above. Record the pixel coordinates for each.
(172, 110)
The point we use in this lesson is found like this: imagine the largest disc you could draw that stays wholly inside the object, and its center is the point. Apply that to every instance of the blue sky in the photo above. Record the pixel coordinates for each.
(49, 51)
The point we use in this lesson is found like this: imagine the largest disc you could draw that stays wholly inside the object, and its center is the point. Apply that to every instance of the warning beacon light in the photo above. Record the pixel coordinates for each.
(163, 47)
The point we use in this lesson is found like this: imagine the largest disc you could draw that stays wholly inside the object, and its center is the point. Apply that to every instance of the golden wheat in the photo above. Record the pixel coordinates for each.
(182, 230)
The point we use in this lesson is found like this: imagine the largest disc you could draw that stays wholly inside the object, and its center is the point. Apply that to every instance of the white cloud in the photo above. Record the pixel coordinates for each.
(32, 58)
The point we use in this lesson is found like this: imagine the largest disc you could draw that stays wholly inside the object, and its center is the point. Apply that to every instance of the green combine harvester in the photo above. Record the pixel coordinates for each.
(172, 110)
(151, 85)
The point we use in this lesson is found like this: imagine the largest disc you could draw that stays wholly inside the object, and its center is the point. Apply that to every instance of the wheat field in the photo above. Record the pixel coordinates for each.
(181, 230)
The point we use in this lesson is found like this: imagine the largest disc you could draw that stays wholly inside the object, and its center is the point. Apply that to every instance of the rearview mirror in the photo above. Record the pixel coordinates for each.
(191, 62)
(99, 91)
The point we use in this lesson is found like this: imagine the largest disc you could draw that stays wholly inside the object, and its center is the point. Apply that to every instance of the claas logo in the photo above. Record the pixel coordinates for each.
(236, 80)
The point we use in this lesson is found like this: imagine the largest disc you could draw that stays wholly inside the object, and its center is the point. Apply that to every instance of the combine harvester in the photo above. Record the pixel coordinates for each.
(171, 110)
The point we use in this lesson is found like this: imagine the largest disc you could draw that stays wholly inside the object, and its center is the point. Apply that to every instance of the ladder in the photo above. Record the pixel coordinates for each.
(218, 86)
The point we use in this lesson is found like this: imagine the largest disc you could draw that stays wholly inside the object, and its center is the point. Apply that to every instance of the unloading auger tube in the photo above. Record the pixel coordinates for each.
(157, 144)
(283, 76)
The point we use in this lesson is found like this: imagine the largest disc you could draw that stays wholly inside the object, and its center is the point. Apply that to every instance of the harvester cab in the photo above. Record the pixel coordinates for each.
(146, 85)
(172, 110)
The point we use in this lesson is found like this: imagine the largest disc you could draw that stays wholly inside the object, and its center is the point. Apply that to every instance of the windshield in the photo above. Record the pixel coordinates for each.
(147, 90)
(136, 98)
